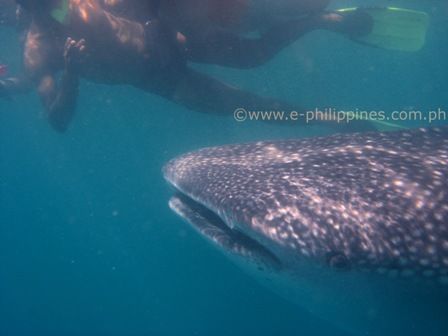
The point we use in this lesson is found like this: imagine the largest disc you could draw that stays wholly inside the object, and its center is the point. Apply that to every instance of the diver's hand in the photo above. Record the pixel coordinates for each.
(74, 54)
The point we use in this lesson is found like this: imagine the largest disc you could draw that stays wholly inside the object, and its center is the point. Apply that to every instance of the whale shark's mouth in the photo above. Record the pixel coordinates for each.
(211, 226)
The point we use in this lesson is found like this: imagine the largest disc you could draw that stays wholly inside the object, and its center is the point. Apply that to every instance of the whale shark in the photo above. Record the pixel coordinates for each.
(351, 227)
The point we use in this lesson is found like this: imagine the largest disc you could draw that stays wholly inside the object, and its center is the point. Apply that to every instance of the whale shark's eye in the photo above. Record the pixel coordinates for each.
(338, 260)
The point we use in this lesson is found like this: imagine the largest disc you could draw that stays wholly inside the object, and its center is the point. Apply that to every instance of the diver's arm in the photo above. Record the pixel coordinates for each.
(59, 99)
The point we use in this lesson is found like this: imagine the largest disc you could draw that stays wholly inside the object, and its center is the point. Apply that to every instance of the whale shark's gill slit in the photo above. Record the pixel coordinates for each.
(210, 225)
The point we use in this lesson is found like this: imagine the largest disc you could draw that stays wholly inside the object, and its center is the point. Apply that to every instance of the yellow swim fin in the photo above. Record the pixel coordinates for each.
(395, 28)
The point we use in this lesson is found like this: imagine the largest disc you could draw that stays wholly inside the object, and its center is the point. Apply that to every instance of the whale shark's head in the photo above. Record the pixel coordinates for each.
(326, 212)
(351, 202)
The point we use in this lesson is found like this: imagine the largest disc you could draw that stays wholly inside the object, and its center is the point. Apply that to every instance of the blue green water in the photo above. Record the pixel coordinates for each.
(88, 244)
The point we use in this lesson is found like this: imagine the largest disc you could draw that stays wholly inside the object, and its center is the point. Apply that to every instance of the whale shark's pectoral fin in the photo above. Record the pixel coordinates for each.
(211, 226)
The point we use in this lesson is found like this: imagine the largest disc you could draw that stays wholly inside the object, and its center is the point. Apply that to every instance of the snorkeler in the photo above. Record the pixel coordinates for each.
(82, 39)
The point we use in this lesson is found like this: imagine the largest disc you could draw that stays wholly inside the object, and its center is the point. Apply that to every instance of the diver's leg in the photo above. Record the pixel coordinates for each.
(225, 48)
(353, 24)
(222, 47)
(204, 94)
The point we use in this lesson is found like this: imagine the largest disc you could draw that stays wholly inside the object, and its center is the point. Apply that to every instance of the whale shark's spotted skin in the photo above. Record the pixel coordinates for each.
(367, 202)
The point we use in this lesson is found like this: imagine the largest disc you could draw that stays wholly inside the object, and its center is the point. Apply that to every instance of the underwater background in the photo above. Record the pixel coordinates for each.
(88, 244)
